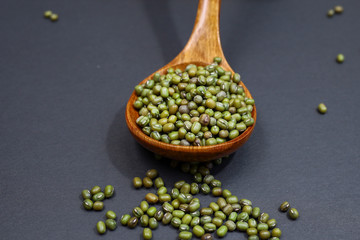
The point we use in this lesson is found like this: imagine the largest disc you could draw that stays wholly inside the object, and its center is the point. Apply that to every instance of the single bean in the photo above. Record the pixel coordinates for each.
(101, 227)
(147, 234)
(109, 191)
(222, 231)
(110, 224)
(98, 206)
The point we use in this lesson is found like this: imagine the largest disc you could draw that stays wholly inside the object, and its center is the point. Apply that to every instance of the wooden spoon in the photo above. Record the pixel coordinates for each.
(203, 45)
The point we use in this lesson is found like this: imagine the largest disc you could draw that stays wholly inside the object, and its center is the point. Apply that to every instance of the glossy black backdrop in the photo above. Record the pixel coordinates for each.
(64, 88)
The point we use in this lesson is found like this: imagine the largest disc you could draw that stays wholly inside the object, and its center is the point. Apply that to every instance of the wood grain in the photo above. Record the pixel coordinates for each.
(204, 44)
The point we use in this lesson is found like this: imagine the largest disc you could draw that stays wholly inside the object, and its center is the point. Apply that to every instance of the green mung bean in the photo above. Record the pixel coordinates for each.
(186, 219)
(185, 188)
(109, 191)
(222, 231)
(233, 216)
(263, 218)
(159, 215)
(242, 226)
(340, 58)
(147, 182)
(206, 211)
(176, 203)
(264, 234)
(195, 221)
(101, 227)
(54, 17)
(220, 215)
(98, 196)
(111, 224)
(184, 227)
(236, 207)
(205, 219)
(151, 211)
(152, 173)
(95, 190)
(227, 209)
(125, 219)
(271, 223)
(215, 183)
(284, 206)
(137, 182)
(88, 204)
(167, 207)
(178, 213)
(164, 198)
(194, 188)
(167, 218)
(262, 226)
(252, 223)
(293, 213)
(110, 214)
(330, 12)
(217, 221)
(276, 232)
(207, 236)
(338, 9)
(230, 225)
(137, 212)
(133, 222)
(251, 231)
(185, 235)
(147, 234)
(209, 227)
(194, 206)
(159, 182)
(151, 198)
(255, 212)
(98, 206)
(144, 205)
(175, 222)
(243, 216)
(322, 108)
(153, 223)
(253, 237)
(247, 209)
(205, 189)
(214, 206)
(86, 194)
(47, 14)
(144, 220)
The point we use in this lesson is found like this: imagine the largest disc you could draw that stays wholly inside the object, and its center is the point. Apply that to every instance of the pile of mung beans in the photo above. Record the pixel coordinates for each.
(93, 199)
(199, 106)
(177, 206)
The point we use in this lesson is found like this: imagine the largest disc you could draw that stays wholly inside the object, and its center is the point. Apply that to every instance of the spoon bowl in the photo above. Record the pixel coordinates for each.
(203, 45)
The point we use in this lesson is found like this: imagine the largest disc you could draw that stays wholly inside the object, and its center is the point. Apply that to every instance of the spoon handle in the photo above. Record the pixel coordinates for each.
(204, 42)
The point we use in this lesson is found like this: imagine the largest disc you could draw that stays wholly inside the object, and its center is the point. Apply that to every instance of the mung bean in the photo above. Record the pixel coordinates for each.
(101, 227)
(110, 224)
(293, 213)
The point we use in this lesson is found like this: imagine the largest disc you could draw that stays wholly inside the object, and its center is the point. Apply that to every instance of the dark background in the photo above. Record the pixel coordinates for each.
(64, 87)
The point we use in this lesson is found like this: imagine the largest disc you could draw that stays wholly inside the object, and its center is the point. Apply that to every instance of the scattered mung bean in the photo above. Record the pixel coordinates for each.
(340, 58)
(293, 213)
(322, 108)
(101, 227)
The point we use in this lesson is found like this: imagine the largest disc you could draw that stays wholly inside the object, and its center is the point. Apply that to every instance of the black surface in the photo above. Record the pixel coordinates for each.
(64, 88)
